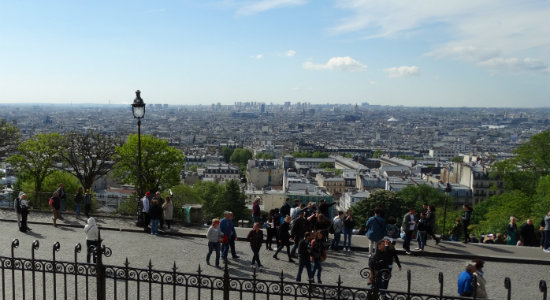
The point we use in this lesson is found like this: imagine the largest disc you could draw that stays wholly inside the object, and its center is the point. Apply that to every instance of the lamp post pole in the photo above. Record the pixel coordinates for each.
(138, 109)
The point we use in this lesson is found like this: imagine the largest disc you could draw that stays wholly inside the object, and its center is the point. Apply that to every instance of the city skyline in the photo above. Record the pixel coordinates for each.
(426, 54)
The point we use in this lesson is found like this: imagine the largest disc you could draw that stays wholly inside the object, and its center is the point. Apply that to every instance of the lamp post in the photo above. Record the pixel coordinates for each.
(138, 109)
(447, 192)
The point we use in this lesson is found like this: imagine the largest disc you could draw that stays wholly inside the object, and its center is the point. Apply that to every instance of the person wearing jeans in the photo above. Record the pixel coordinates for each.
(338, 226)
(214, 235)
(349, 223)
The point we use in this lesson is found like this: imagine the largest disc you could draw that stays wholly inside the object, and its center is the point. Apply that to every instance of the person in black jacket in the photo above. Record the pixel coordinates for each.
(527, 234)
(284, 239)
(256, 238)
(297, 231)
(305, 257)
(156, 213)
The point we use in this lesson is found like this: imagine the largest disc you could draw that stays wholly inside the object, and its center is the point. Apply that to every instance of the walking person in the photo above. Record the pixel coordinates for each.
(87, 203)
(256, 238)
(481, 292)
(24, 208)
(92, 239)
(227, 228)
(156, 215)
(78, 198)
(430, 219)
(168, 211)
(232, 239)
(392, 230)
(271, 229)
(466, 216)
(214, 236)
(349, 224)
(145, 208)
(17, 208)
(304, 261)
(318, 254)
(54, 204)
(337, 226)
(297, 231)
(376, 228)
(465, 288)
(284, 239)
(62, 199)
(422, 232)
(408, 227)
(160, 202)
(512, 232)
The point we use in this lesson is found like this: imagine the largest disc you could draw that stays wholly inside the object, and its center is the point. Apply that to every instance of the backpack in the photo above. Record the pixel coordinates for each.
(318, 250)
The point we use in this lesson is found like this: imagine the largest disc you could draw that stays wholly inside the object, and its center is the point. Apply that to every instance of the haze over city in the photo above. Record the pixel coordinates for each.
(489, 53)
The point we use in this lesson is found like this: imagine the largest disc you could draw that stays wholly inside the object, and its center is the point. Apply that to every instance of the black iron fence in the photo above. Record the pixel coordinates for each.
(23, 278)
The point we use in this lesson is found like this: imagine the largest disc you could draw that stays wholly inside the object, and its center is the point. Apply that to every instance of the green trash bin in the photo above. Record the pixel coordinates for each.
(186, 214)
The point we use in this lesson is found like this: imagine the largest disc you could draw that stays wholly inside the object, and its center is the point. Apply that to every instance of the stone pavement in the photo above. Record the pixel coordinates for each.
(446, 249)
(186, 246)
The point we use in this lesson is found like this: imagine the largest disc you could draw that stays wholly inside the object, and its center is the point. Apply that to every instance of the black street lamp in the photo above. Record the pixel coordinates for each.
(138, 109)
(447, 192)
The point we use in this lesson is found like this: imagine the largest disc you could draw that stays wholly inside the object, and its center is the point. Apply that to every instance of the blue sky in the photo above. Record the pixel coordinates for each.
(490, 53)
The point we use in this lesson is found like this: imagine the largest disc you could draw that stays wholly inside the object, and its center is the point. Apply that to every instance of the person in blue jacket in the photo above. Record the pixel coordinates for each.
(465, 287)
(376, 229)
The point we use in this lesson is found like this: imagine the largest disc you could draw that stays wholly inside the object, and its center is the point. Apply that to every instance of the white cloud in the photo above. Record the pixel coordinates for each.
(372, 82)
(337, 63)
(403, 71)
(476, 31)
(258, 56)
(255, 7)
(514, 64)
(290, 53)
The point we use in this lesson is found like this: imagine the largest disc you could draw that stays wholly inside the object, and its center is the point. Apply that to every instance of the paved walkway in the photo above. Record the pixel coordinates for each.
(456, 250)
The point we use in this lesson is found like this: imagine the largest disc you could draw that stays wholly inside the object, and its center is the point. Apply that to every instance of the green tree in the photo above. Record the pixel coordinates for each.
(161, 164)
(49, 185)
(35, 159)
(262, 155)
(319, 154)
(193, 168)
(377, 153)
(241, 156)
(183, 194)
(227, 154)
(211, 196)
(387, 200)
(88, 155)
(416, 195)
(326, 165)
(9, 138)
(234, 200)
(457, 159)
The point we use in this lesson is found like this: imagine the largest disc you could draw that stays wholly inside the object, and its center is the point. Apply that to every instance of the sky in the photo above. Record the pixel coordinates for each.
(452, 53)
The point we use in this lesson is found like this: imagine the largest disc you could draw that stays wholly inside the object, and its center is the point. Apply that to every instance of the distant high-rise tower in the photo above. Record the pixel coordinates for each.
(262, 108)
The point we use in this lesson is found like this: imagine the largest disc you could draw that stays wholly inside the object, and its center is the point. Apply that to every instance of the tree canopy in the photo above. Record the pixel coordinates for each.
(161, 163)
(9, 138)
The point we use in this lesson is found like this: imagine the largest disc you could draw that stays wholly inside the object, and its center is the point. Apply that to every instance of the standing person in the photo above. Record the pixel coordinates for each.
(54, 204)
(527, 234)
(546, 233)
(156, 214)
(338, 226)
(383, 259)
(297, 231)
(284, 239)
(87, 203)
(214, 236)
(422, 233)
(322, 224)
(430, 220)
(285, 209)
(256, 212)
(481, 292)
(512, 232)
(305, 257)
(168, 211)
(324, 207)
(62, 199)
(392, 230)
(271, 230)
(233, 239)
(256, 238)
(295, 209)
(318, 254)
(24, 207)
(466, 216)
(376, 228)
(465, 288)
(160, 202)
(349, 224)
(78, 198)
(92, 238)
(408, 227)
(145, 207)
(226, 227)
(17, 208)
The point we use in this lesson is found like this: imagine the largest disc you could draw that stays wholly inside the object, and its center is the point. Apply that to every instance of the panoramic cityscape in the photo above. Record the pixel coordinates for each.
(389, 149)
